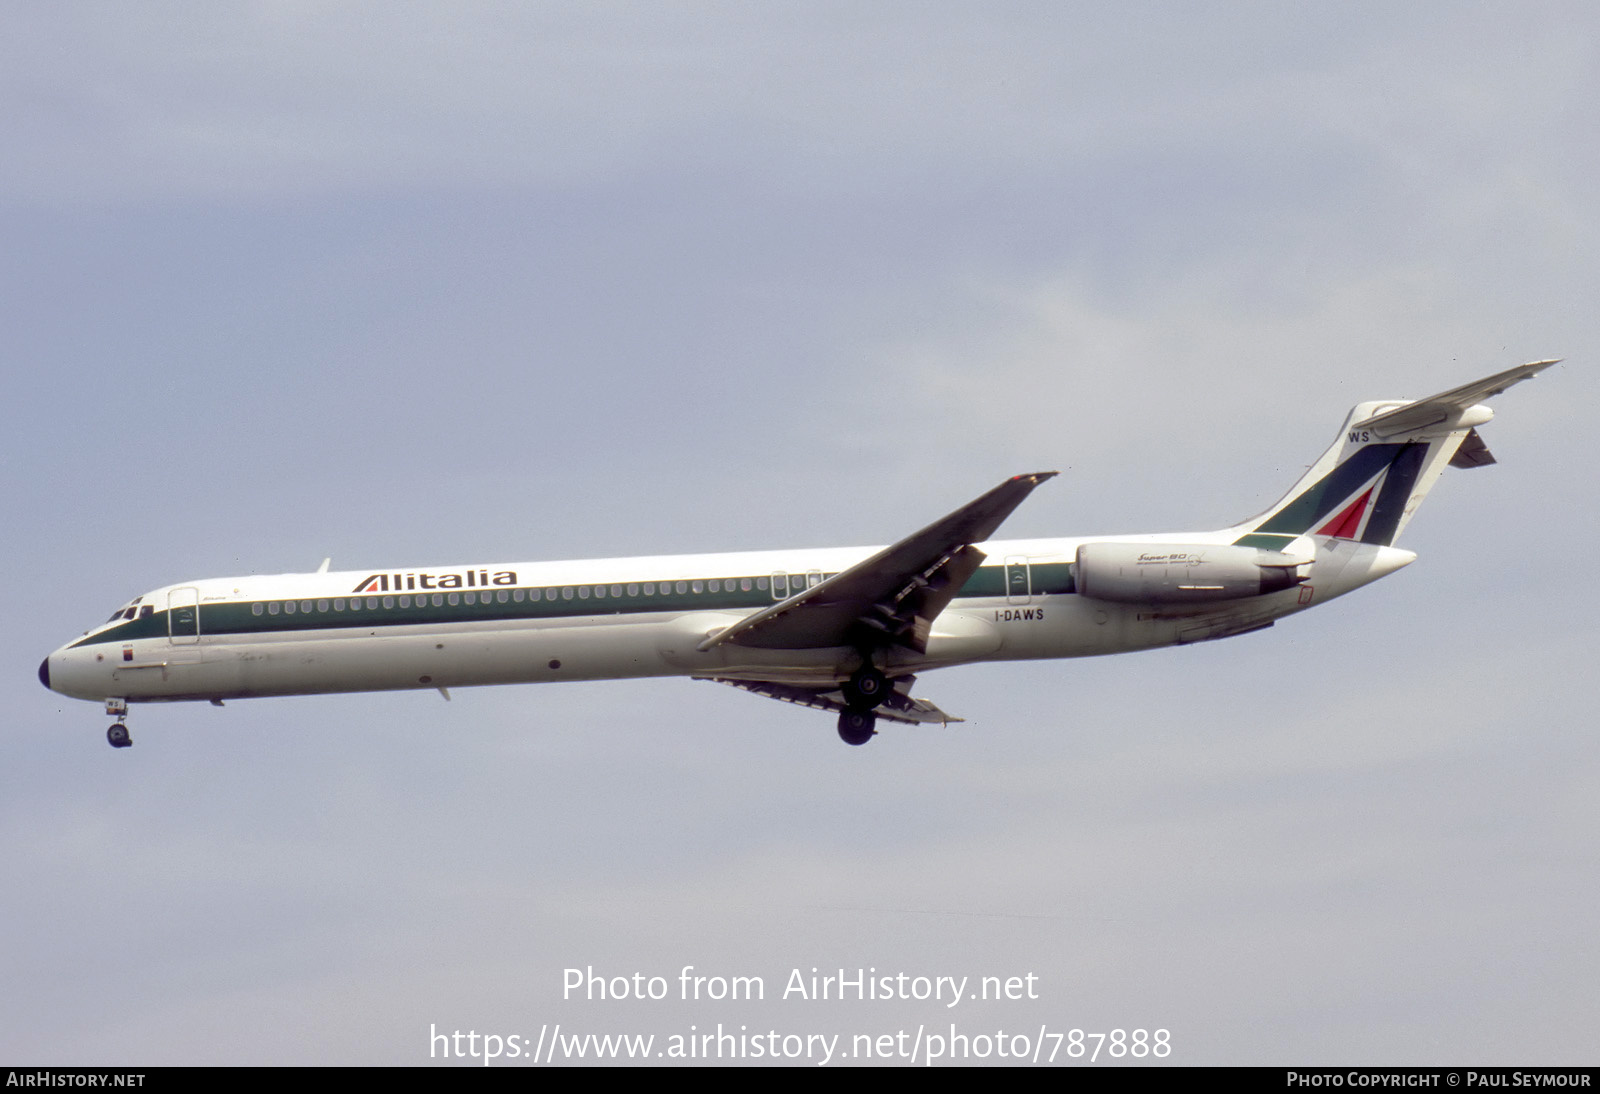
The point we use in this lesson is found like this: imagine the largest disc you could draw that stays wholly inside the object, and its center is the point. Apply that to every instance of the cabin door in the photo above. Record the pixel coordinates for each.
(183, 616)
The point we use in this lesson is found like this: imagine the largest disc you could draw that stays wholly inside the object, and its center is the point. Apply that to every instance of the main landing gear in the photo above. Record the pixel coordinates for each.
(856, 727)
(867, 689)
(864, 692)
(118, 736)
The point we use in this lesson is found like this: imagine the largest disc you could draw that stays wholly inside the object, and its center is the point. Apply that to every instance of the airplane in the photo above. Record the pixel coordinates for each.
(845, 630)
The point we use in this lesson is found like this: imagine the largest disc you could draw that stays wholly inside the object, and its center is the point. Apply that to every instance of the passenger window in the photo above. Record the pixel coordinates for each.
(256, 609)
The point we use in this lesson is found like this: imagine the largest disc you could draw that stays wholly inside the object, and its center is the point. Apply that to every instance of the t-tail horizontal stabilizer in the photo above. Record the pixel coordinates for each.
(1388, 455)
(1448, 406)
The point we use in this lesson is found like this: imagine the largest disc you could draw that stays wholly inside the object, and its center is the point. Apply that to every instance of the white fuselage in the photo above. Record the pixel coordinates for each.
(459, 626)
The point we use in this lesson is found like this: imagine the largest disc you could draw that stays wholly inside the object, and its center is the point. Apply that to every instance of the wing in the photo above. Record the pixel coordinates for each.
(898, 707)
(893, 597)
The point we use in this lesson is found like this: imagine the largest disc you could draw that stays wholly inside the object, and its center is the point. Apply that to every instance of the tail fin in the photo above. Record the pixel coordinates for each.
(1385, 460)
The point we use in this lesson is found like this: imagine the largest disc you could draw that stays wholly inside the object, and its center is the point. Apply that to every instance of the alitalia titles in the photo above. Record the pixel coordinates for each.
(386, 583)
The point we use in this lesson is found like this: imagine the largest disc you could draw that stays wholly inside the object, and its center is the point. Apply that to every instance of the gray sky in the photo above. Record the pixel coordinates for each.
(416, 284)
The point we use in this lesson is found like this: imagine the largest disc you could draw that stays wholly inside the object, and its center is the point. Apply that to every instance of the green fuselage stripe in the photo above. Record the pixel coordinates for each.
(554, 602)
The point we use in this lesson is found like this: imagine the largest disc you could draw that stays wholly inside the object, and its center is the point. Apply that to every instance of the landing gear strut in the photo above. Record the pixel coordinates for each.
(867, 689)
(117, 736)
(863, 694)
(856, 727)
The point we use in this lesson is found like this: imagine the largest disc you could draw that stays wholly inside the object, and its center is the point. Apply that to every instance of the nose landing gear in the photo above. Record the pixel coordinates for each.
(118, 736)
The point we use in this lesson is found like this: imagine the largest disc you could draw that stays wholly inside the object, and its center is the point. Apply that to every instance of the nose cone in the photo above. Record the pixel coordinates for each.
(44, 672)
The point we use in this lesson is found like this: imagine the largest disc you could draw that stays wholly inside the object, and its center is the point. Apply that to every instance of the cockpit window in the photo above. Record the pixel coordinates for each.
(130, 610)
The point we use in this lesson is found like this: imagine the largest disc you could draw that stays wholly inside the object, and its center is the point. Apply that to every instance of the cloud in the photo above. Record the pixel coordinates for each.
(286, 99)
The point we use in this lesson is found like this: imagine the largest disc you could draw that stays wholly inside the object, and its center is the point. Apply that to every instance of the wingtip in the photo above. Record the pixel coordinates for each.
(1035, 477)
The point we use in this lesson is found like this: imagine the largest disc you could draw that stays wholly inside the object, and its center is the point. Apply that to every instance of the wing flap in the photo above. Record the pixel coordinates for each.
(900, 706)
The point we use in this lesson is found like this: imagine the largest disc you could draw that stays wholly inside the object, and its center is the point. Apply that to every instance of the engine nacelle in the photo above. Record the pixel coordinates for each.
(1187, 573)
